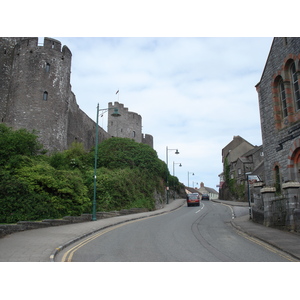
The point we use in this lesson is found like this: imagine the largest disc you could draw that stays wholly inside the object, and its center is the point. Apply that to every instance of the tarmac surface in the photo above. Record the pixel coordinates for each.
(42, 245)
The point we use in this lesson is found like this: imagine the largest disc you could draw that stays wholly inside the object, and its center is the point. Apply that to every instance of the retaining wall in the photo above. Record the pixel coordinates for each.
(27, 225)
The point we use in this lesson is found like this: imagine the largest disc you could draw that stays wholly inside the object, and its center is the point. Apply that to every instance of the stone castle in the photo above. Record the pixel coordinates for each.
(36, 94)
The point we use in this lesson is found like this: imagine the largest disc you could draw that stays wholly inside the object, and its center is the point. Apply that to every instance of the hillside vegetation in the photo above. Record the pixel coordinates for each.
(36, 186)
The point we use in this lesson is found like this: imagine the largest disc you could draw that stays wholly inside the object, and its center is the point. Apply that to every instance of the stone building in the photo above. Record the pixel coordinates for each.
(279, 105)
(36, 94)
(242, 158)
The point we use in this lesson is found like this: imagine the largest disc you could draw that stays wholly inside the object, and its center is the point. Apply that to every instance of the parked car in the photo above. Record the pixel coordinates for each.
(205, 197)
(193, 199)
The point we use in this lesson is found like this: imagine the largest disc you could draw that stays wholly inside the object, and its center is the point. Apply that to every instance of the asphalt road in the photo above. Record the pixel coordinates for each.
(188, 234)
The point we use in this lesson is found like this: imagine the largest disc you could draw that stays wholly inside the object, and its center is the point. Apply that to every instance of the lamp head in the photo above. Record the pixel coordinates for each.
(180, 165)
(176, 152)
(115, 113)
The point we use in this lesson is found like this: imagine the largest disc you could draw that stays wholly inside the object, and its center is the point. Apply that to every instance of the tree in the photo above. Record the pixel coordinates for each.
(17, 142)
(117, 153)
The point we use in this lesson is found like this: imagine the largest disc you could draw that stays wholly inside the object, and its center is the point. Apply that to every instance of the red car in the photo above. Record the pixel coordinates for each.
(193, 199)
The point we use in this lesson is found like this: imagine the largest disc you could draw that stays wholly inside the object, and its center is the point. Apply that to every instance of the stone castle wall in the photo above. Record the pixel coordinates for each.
(35, 93)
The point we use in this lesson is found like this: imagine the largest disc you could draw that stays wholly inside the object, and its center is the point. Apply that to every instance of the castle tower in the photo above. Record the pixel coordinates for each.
(38, 88)
(128, 125)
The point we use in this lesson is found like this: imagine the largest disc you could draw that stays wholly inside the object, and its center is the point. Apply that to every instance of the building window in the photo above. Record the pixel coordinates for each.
(283, 98)
(295, 85)
(47, 68)
(45, 96)
(133, 134)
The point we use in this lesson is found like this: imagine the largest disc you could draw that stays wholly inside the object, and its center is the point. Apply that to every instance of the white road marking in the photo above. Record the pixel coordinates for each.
(232, 212)
(200, 208)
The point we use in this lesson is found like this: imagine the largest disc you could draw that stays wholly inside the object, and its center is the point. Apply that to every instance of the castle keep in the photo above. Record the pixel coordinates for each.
(35, 93)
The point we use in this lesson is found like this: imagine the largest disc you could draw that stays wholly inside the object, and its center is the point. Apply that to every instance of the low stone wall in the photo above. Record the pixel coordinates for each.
(27, 225)
(257, 215)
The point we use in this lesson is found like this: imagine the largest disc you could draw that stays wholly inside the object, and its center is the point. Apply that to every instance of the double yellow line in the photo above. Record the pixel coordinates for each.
(266, 246)
(67, 257)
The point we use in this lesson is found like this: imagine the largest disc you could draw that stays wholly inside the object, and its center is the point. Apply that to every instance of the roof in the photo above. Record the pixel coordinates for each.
(211, 190)
(192, 190)
(252, 151)
(266, 63)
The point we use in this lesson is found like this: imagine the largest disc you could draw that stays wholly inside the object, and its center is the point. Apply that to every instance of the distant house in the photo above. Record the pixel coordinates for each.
(235, 149)
(241, 158)
(190, 190)
(213, 194)
(250, 162)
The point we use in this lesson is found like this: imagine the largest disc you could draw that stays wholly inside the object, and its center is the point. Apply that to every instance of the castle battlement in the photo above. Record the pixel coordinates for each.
(49, 44)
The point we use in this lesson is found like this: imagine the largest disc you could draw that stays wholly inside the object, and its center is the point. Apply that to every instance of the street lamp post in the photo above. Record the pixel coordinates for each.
(248, 189)
(189, 177)
(180, 165)
(174, 163)
(167, 151)
(114, 114)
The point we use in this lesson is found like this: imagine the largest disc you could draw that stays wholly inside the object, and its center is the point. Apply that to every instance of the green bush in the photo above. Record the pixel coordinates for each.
(34, 186)
(18, 142)
(119, 189)
(118, 153)
(39, 191)
(76, 157)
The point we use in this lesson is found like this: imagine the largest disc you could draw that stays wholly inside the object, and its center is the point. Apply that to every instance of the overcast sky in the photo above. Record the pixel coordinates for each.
(194, 85)
(194, 94)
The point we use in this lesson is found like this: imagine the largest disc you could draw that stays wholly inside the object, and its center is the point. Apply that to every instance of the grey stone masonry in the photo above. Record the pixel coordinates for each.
(127, 125)
(279, 132)
(35, 94)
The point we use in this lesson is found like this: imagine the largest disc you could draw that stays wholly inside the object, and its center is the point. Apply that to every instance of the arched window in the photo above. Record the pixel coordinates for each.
(47, 68)
(283, 98)
(45, 96)
(295, 85)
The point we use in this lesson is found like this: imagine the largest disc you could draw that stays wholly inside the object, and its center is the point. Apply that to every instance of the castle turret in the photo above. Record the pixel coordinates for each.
(128, 125)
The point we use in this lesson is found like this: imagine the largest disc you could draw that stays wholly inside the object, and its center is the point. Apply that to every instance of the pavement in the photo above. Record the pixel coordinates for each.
(288, 242)
(42, 245)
